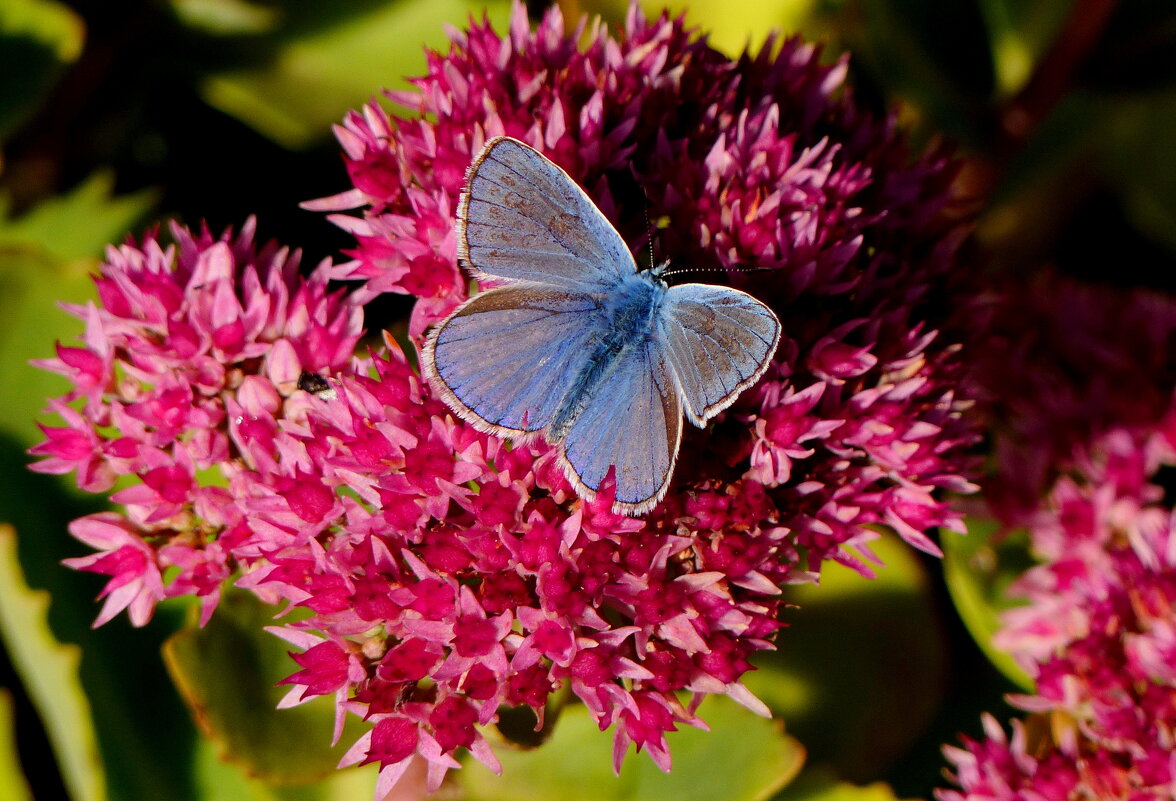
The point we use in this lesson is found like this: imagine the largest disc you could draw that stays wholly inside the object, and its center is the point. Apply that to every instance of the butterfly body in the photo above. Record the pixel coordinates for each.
(575, 344)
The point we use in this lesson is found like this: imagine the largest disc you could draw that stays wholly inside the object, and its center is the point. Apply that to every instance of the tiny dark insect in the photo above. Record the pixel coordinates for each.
(316, 385)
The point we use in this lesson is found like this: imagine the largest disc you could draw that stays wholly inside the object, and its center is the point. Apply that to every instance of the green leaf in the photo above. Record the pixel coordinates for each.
(143, 730)
(755, 756)
(228, 673)
(75, 225)
(932, 54)
(49, 671)
(978, 570)
(13, 785)
(1019, 32)
(38, 39)
(227, 17)
(733, 25)
(859, 673)
(221, 780)
(323, 59)
(46, 257)
(820, 784)
(1142, 162)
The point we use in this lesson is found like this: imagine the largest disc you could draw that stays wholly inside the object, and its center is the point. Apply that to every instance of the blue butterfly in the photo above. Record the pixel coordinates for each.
(577, 345)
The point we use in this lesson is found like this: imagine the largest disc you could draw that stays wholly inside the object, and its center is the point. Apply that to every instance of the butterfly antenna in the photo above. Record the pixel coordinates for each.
(648, 227)
(681, 270)
(736, 268)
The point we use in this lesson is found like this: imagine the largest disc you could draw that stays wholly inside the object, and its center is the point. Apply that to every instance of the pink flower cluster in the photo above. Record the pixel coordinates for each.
(1098, 632)
(1099, 637)
(447, 573)
(187, 362)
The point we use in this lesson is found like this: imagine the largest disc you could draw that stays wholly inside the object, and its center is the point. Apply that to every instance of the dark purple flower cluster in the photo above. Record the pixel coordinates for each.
(1094, 359)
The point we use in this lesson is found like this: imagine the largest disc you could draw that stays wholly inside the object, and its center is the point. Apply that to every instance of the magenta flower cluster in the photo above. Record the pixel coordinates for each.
(187, 363)
(1098, 631)
(446, 573)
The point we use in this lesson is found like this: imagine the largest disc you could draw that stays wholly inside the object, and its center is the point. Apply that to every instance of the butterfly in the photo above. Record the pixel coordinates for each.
(574, 343)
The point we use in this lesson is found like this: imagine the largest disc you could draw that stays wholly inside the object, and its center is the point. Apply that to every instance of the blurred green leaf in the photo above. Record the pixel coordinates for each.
(220, 780)
(1020, 31)
(75, 225)
(13, 786)
(326, 58)
(934, 55)
(38, 39)
(144, 733)
(733, 25)
(820, 784)
(46, 257)
(228, 672)
(226, 17)
(49, 671)
(860, 670)
(1142, 162)
(348, 784)
(742, 758)
(978, 570)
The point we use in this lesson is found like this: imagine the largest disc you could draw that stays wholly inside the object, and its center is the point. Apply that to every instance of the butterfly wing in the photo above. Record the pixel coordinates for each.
(633, 421)
(504, 360)
(718, 341)
(522, 218)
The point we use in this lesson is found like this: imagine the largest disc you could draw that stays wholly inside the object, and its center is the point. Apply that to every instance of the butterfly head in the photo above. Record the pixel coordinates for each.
(658, 272)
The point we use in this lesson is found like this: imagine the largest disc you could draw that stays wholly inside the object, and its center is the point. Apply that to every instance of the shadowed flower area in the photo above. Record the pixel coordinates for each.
(447, 573)
(1097, 633)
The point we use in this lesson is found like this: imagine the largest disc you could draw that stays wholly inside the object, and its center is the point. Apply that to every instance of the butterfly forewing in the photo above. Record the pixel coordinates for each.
(523, 218)
(718, 341)
(505, 358)
(633, 422)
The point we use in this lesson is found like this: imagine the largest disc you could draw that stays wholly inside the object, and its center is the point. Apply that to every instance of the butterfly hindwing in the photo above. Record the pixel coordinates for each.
(718, 341)
(505, 359)
(633, 421)
(522, 218)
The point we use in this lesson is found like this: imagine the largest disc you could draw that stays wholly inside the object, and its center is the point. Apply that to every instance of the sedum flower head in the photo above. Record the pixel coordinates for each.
(185, 363)
(1098, 636)
(447, 573)
(1098, 630)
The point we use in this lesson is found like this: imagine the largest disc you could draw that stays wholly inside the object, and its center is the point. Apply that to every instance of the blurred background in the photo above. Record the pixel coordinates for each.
(117, 116)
